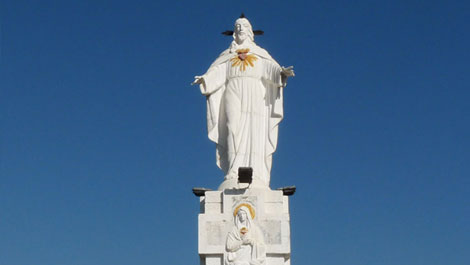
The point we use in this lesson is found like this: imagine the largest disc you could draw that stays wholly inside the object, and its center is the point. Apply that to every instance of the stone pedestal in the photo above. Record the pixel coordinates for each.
(271, 217)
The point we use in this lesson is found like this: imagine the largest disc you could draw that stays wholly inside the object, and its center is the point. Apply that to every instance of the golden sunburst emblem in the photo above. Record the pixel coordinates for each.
(243, 59)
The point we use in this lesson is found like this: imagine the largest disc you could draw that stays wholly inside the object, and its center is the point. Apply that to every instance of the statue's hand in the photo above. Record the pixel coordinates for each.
(197, 80)
(288, 72)
(248, 241)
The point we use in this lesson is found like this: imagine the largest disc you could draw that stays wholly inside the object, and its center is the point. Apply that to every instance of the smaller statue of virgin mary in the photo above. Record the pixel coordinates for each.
(245, 243)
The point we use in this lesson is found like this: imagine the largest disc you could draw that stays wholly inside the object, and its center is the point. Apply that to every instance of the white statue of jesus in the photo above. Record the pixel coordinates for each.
(244, 106)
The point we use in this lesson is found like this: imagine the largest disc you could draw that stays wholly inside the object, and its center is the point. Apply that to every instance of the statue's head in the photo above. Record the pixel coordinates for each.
(243, 30)
(242, 215)
(246, 208)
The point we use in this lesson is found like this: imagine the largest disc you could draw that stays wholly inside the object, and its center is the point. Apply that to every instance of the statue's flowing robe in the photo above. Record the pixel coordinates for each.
(244, 109)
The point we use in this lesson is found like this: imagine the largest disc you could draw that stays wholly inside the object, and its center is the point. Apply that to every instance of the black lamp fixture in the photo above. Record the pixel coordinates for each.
(288, 191)
(245, 175)
(200, 191)
(230, 32)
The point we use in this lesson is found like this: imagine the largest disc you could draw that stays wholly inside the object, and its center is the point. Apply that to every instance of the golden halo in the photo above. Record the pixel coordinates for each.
(250, 208)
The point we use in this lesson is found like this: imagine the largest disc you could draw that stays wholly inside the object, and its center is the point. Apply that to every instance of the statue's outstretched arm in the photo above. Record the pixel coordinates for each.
(286, 73)
(197, 80)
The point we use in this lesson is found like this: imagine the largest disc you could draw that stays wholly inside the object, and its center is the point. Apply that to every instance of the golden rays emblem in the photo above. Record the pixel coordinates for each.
(243, 59)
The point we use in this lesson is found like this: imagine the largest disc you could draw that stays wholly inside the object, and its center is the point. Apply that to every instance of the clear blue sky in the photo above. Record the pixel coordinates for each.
(102, 137)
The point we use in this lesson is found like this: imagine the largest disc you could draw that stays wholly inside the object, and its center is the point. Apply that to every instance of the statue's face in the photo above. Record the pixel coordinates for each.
(242, 216)
(241, 30)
